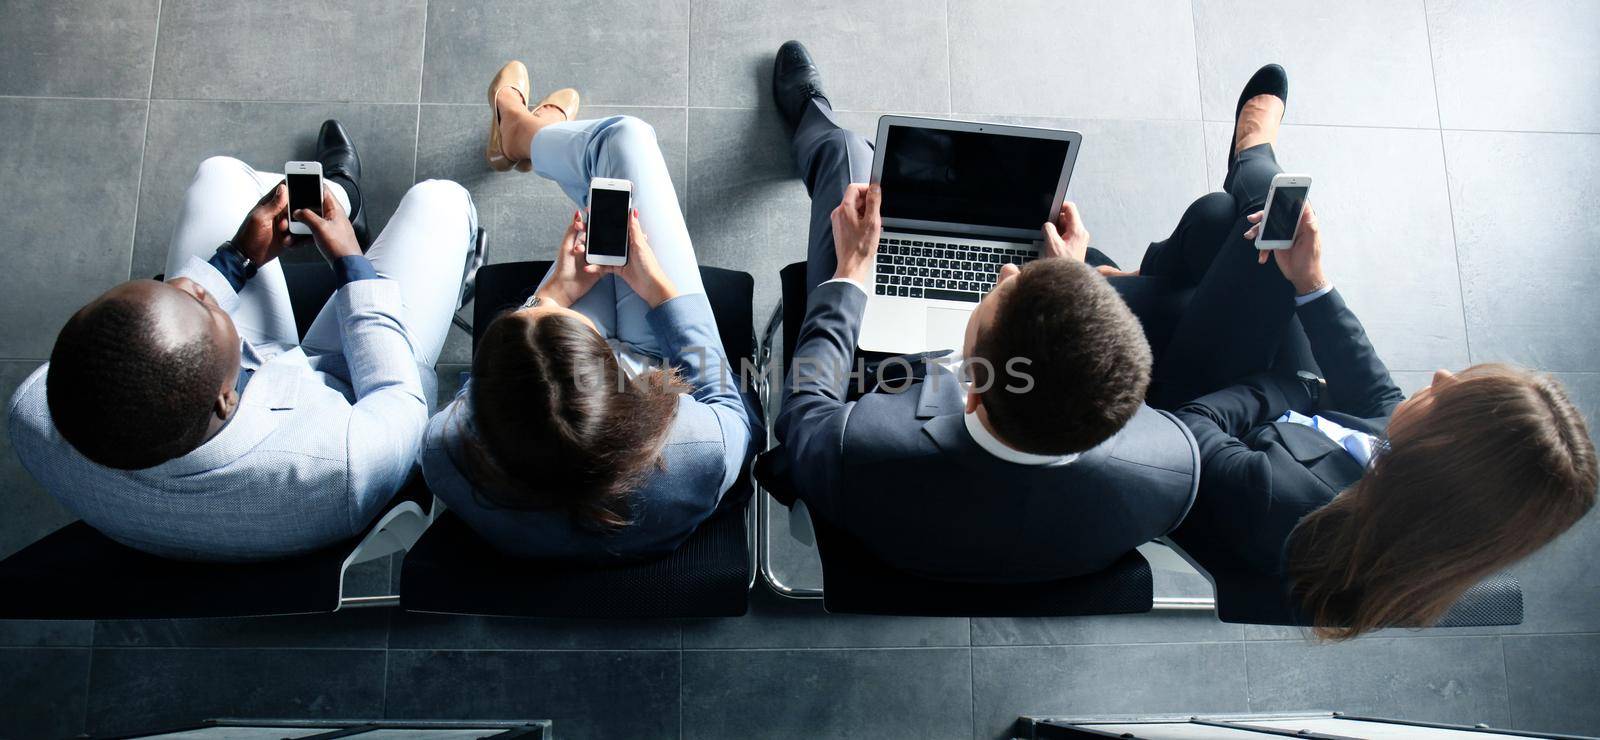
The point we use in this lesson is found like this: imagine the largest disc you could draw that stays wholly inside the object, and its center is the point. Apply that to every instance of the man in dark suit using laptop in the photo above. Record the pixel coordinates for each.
(1048, 466)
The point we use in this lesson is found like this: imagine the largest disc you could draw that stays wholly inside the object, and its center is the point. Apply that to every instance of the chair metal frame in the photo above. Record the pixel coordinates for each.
(767, 347)
(396, 531)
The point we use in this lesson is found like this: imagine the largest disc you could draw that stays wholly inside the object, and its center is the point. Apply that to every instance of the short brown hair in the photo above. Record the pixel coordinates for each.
(558, 424)
(1497, 464)
(1084, 349)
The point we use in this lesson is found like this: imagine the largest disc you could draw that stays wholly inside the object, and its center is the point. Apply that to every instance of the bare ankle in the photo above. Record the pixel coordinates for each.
(517, 125)
(1258, 122)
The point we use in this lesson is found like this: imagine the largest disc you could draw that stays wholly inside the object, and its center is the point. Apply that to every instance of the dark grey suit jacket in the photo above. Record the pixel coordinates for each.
(900, 473)
(1262, 476)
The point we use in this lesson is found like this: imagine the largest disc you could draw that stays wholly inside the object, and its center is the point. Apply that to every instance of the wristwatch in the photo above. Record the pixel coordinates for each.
(248, 264)
(1314, 385)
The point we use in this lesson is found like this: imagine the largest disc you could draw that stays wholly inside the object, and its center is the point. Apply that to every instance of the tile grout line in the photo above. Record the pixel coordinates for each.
(1199, 84)
(144, 145)
(1505, 675)
(1449, 196)
(950, 102)
(416, 138)
(88, 676)
(683, 203)
(1200, 93)
(1249, 698)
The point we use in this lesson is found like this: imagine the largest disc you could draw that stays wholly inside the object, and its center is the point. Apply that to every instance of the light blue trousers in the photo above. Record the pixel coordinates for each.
(571, 153)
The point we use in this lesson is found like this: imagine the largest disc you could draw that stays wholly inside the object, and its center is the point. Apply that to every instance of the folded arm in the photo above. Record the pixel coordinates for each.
(687, 331)
(391, 408)
(1358, 382)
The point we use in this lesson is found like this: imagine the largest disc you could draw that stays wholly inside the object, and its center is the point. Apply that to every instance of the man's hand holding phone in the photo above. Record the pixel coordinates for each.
(642, 273)
(264, 234)
(856, 228)
(1301, 263)
(1066, 236)
(333, 233)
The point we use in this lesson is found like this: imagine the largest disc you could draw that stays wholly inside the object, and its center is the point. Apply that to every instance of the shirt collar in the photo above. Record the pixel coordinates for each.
(995, 447)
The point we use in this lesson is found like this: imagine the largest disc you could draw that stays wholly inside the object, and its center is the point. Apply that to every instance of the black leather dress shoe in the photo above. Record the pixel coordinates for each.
(795, 81)
(337, 153)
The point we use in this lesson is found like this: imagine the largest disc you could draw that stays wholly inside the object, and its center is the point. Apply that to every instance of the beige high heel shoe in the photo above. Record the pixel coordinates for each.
(564, 100)
(515, 76)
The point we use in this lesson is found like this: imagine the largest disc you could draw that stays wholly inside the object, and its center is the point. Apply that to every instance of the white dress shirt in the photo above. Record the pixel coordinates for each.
(1359, 444)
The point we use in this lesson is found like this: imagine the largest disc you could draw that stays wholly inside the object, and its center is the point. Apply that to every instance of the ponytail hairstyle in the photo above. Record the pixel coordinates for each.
(557, 423)
(1484, 471)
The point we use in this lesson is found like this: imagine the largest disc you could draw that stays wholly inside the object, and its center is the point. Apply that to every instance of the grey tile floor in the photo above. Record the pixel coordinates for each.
(1456, 145)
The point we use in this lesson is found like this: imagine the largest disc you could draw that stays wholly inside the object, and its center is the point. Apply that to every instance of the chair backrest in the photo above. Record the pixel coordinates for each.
(78, 573)
(1250, 598)
(856, 582)
(452, 571)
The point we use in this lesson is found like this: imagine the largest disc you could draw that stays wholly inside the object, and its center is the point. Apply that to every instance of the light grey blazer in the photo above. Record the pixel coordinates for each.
(714, 435)
(318, 445)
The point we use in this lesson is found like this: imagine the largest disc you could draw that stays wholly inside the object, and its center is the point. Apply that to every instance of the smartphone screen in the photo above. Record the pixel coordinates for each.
(305, 192)
(608, 222)
(1283, 213)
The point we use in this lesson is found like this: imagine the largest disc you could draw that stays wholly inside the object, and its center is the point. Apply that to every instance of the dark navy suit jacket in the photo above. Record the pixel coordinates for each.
(900, 473)
(1261, 476)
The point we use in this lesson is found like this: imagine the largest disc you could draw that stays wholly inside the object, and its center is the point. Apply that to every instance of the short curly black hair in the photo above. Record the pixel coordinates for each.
(125, 396)
(1060, 323)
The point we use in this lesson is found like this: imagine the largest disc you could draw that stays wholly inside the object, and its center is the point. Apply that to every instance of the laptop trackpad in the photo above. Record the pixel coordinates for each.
(947, 328)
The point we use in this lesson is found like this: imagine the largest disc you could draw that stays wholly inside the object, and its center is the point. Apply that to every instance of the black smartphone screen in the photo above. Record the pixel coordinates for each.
(608, 222)
(1283, 213)
(304, 192)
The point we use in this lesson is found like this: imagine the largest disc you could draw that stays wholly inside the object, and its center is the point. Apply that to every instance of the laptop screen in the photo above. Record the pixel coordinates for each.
(967, 177)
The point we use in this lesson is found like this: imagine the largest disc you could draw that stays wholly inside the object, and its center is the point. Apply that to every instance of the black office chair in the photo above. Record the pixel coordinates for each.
(1245, 596)
(857, 582)
(450, 570)
(78, 573)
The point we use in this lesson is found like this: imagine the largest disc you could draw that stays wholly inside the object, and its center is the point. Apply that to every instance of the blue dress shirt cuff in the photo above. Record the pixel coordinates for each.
(1301, 300)
(232, 265)
(354, 267)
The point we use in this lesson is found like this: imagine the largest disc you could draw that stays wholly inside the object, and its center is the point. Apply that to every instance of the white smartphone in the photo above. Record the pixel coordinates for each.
(1285, 200)
(610, 202)
(305, 191)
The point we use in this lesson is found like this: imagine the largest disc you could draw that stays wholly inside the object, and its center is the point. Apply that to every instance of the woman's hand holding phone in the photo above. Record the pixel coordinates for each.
(264, 234)
(642, 273)
(1301, 263)
(571, 279)
(333, 233)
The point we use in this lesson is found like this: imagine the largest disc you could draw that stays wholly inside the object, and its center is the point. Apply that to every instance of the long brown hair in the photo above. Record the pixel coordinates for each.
(557, 423)
(1491, 467)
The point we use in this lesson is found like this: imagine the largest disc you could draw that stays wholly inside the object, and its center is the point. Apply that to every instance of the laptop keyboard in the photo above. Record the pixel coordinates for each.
(923, 268)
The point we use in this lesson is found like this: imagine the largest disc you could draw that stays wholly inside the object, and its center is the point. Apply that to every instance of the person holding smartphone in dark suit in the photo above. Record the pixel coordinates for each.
(1373, 510)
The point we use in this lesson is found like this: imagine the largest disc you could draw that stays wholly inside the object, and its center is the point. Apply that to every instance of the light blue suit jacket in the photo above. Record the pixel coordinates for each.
(712, 438)
(317, 447)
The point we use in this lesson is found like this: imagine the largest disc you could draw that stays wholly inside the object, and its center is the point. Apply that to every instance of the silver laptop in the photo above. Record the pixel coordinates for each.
(959, 200)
